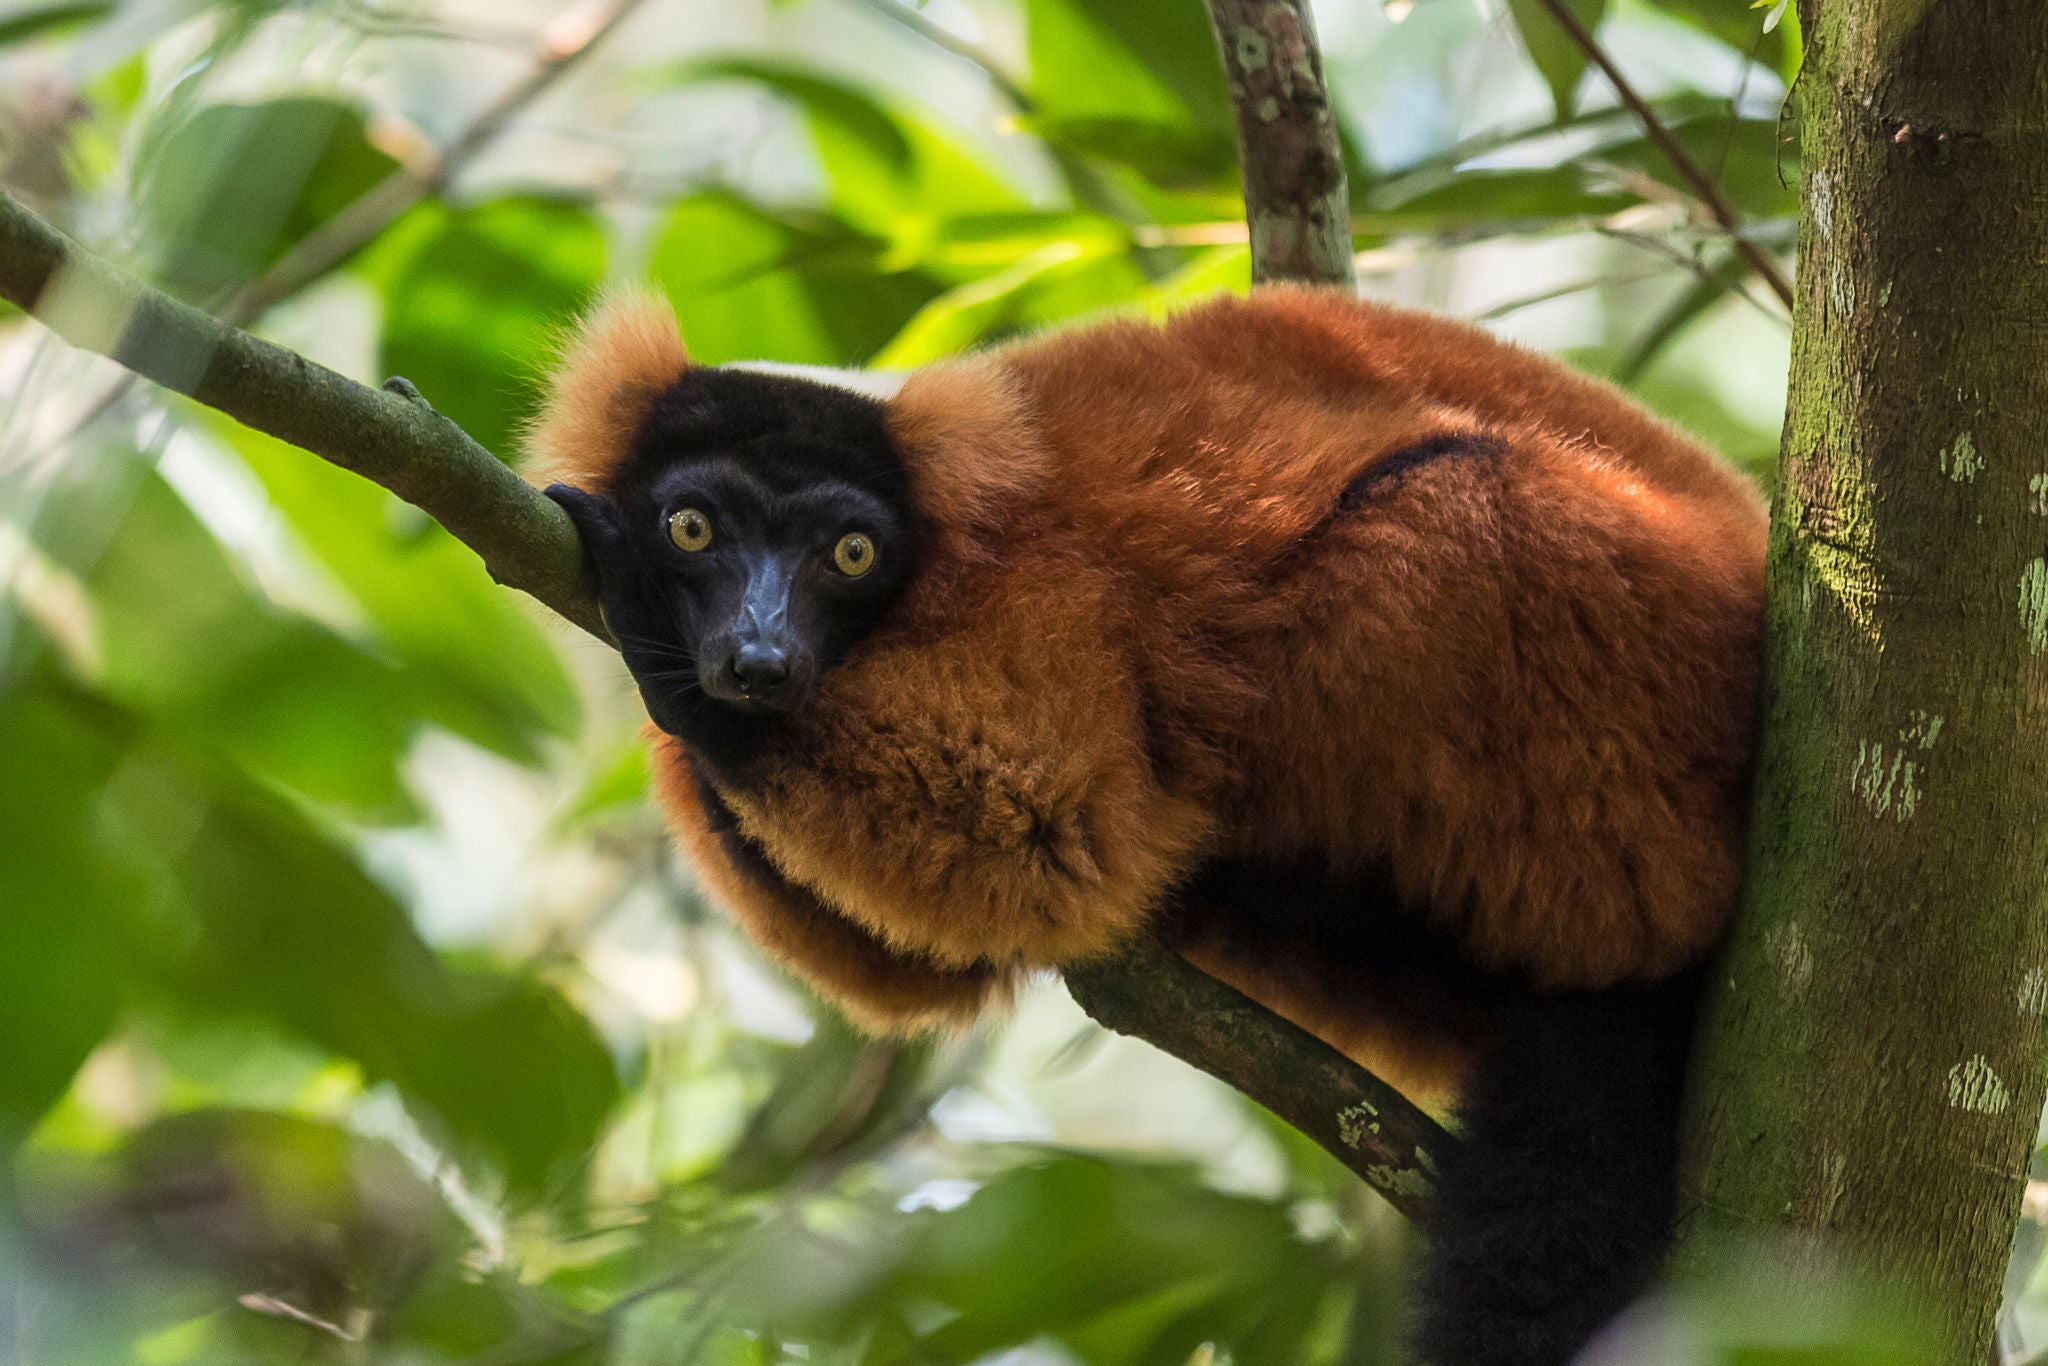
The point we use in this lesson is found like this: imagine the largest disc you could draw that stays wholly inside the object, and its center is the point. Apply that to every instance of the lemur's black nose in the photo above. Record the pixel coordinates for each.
(760, 667)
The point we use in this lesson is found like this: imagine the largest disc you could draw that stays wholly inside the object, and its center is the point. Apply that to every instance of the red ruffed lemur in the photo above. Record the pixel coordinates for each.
(1400, 677)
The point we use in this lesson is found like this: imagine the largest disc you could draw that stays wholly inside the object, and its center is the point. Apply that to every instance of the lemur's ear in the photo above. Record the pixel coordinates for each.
(622, 355)
(596, 517)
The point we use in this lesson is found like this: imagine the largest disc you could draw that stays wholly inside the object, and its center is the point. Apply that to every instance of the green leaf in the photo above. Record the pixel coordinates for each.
(1688, 308)
(616, 791)
(19, 23)
(1123, 1264)
(214, 661)
(291, 928)
(1740, 27)
(474, 298)
(831, 103)
(1171, 154)
(1449, 202)
(227, 191)
(1145, 60)
(68, 931)
(1560, 60)
(959, 318)
(1757, 172)
(811, 289)
(468, 656)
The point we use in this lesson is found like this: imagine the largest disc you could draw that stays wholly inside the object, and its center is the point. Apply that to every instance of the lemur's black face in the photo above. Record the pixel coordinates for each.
(758, 528)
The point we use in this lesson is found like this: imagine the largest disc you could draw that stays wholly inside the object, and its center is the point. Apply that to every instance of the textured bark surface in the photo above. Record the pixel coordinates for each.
(1295, 200)
(1874, 1069)
(1149, 992)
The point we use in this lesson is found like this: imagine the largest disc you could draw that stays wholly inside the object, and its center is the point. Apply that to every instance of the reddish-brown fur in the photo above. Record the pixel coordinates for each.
(1146, 635)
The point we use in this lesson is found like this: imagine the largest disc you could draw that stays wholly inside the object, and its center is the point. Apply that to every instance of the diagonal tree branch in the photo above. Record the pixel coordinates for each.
(392, 437)
(1667, 142)
(1295, 199)
(1152, 993)
(558, 47)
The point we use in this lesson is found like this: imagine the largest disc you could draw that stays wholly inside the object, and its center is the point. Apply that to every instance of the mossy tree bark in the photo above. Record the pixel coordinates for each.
(1874, 1067)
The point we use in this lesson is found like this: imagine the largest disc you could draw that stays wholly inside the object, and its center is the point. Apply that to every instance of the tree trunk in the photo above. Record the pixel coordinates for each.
(1873, 1069)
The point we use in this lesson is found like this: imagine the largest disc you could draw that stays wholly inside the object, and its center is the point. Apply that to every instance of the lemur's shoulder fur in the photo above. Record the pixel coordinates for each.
(1412, 598)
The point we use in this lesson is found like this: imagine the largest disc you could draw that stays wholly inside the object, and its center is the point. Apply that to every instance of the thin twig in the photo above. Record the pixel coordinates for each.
(560, 45)
(1674, 151)
(946, 40)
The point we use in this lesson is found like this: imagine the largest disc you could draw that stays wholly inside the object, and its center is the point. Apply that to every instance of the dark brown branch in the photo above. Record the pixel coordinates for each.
(1295, 198)
(1667, 142)
(1152, 993)
(389, 436)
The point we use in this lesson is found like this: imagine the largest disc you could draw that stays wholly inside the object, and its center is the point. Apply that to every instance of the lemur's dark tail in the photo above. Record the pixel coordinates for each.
(1554, 1214)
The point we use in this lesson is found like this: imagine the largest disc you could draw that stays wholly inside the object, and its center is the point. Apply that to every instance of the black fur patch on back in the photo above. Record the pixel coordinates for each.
(1448, 446)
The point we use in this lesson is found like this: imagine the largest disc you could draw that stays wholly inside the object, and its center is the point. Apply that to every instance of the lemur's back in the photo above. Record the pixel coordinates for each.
(1459, 611)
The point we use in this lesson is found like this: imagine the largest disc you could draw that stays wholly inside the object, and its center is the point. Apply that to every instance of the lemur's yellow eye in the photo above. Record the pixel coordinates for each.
(854, 555)
(689, 529)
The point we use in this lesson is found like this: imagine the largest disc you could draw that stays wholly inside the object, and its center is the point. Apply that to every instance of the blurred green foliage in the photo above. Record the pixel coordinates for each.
(352, 1006)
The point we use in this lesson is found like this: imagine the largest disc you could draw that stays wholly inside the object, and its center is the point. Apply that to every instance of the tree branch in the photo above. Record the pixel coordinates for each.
(1674, 151)
(390, 436)
(1295, 199)
(1152, 993)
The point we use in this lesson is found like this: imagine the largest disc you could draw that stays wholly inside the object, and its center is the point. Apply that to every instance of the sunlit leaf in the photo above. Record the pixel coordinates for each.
(1556, 54)
(225, 192)
(751, 285)
(961, 317)
(1137, 59)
